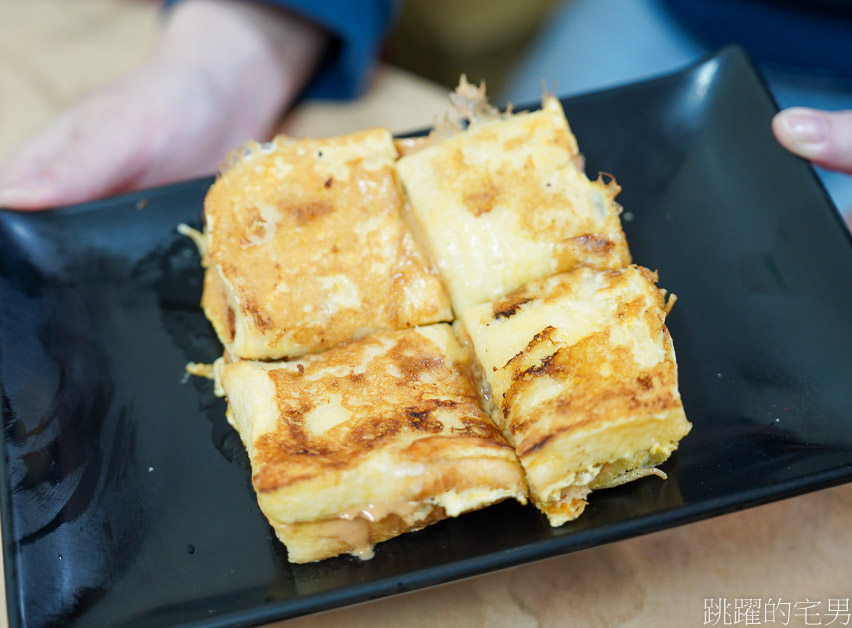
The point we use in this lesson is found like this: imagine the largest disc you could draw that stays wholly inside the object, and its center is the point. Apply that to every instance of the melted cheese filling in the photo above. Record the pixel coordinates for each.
(355, 528)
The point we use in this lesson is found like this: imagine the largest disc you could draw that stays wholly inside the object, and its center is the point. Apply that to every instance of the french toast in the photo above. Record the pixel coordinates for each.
(367, 440)
(505, 201)
(579, 372)
(305, 246)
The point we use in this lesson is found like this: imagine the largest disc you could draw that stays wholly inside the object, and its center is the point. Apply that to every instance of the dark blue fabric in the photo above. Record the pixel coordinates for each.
(359, 28)
(810, 36)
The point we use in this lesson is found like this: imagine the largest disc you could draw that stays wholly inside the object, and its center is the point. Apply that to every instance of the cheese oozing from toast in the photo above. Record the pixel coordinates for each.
(305, 246)
(368, 440)
(506, 201)
(580, 374)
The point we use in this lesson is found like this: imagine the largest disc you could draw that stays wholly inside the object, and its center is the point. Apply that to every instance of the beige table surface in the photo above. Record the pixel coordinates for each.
(798, 550)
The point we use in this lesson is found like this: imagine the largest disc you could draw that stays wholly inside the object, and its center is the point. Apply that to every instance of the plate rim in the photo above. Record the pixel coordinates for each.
(469, 567)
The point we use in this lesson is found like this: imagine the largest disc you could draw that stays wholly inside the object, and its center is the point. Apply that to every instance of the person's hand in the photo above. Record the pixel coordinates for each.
(823, 137)
(222, 73)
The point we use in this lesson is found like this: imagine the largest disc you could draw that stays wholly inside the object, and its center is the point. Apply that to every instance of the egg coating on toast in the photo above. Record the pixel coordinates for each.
(506, 201)
(579, 372)
(368, 440)
(305, 246)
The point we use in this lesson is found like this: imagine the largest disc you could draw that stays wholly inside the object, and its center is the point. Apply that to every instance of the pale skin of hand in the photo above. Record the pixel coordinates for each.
(823, 137)
(222, 72)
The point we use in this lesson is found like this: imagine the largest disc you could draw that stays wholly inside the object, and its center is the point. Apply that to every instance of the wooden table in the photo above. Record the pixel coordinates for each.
(798, 550)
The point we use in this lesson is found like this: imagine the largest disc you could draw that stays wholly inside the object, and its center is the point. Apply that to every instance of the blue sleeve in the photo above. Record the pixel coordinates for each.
(813, 36)
(359, 28)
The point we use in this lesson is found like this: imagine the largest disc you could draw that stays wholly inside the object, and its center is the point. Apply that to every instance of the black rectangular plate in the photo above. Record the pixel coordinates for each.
(126, 498)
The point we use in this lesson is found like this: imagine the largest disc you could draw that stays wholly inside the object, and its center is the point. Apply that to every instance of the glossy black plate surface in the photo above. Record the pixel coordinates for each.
(126, 497)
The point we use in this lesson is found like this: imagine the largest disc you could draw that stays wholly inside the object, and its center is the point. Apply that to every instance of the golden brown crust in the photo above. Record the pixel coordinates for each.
(401, 398)
(584, 378)
(391, 418)
(307, 248)
(519, 204)
(368, 435)
(217, 305)
(316, 540)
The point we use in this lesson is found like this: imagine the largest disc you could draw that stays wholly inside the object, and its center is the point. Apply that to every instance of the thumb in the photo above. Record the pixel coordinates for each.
(823, 137)
(59, 166)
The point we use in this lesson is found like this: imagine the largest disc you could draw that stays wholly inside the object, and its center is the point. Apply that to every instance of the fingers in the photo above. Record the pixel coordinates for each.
(178, 114)
(822, 137)
(80, 156)
(62, 174)
(25, 179)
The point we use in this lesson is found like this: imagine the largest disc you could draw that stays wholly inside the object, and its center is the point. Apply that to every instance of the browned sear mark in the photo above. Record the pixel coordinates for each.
(436, 406)
(545, 366)
(481, 202)
(631, 309)
(478, 428)
(508, 307)
(310, 211)
(254, 226)
(528, 449)
(262, 320)
(420, 419)
(370, 432)
(594, 243)
(542, 336)
(404, 357)
(232, 323)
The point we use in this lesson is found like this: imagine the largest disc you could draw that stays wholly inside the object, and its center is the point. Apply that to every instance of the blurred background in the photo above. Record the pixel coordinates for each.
(53, 51)
(441, 39)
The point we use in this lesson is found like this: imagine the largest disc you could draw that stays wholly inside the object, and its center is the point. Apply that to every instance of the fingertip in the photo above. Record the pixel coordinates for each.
(14, 198)
(27, 198)
(779, 127)
(805, 132)
(63, 184)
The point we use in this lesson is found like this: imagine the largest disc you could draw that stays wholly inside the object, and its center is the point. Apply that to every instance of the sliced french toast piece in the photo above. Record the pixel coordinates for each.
(305, 246)
(368, 440)
(579, 372)
(505, 201)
